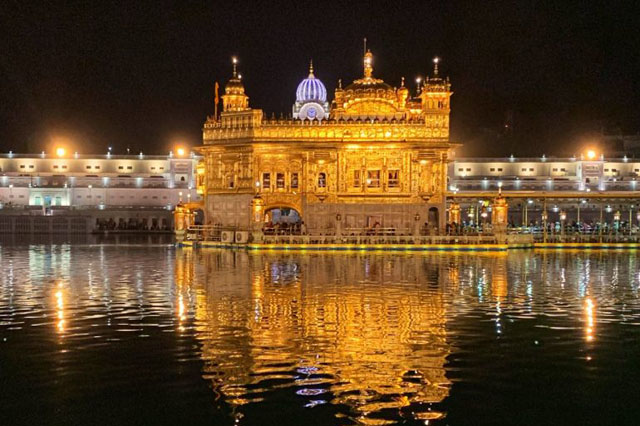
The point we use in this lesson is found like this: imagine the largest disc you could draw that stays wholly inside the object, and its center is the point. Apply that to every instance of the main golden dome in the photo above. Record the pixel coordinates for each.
(369, 98)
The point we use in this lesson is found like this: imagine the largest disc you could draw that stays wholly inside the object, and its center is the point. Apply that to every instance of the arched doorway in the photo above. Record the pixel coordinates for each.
(434, 218)
(282, 220)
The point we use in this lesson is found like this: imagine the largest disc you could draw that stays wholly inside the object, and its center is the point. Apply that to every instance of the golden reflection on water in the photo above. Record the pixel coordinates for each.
(365, 332)
(59, 295)
(589, 311)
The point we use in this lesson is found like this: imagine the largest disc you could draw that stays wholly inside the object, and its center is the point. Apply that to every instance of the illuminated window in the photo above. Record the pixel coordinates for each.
(280, 180)
(38, 201)
(294, 180)
(266, 180)
(373, 178)
(322, 180)
(394, 178)
(356, 178)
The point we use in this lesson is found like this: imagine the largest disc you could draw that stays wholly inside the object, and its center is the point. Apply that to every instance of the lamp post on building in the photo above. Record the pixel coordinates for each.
(470, 215)
(484, 215)
(563, 218)
(545, 216)
(616, 220)
(600, 224)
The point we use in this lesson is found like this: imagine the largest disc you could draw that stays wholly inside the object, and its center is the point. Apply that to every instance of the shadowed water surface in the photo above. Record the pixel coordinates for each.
(148, 334)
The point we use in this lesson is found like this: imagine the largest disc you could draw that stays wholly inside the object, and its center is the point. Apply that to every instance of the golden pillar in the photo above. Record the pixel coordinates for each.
(182, 219)
(454, 213)
(257, 217)
(499, 216)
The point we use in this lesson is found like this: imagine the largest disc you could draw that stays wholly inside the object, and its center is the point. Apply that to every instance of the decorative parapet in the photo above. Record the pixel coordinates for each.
(283, 130)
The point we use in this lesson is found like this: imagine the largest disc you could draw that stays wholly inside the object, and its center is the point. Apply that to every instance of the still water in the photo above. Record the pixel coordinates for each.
(148, 334)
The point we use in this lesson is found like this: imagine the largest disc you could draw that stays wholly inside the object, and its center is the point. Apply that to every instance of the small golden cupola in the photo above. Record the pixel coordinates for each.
(368, 98)
(436, 103)
(234, 98)
(403, 94)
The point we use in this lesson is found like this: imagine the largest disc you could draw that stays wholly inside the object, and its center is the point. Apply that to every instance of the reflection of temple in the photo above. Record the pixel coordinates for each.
(377, 155)
(319, 325)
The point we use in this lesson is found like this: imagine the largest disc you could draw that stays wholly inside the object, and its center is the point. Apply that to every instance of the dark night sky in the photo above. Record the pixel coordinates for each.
(141, 73)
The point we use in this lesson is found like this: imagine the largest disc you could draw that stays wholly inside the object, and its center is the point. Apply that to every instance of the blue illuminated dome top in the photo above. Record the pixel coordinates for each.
(311, 89)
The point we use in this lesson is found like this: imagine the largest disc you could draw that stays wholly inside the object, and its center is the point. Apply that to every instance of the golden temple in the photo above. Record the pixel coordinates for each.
(376, 157)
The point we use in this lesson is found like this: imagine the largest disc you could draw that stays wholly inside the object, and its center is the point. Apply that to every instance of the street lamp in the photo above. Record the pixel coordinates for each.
(484, 214)
(563, 217)
(545, 216)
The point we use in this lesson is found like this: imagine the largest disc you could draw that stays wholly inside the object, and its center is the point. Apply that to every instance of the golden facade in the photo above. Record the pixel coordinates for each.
(380, 157)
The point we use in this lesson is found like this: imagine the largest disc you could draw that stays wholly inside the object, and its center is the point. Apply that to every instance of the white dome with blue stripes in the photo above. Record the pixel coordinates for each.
(311, 89)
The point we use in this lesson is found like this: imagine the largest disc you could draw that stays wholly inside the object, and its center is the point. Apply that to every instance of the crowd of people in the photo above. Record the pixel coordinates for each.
(130, 225)
(284, 228)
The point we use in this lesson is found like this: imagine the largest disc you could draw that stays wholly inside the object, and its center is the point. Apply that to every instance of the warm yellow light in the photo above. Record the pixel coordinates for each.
(591, 154)
(180, 152)
(60, 152)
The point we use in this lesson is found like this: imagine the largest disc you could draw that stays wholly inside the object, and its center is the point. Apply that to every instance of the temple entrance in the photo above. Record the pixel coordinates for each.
(433, 220)
(282, 221)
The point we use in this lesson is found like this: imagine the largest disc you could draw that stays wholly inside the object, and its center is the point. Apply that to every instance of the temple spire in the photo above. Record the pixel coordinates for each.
(311, 68)
(234, 61)
(435, 66)
(368, 61)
